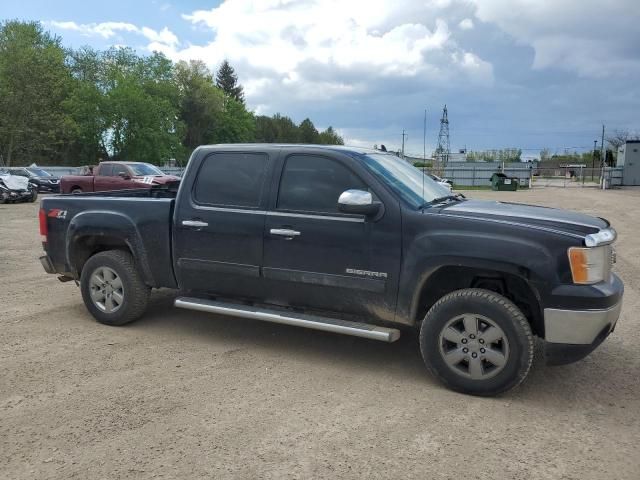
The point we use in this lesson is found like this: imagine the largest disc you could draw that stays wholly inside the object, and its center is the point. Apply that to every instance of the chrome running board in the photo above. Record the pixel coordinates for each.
(345, 327)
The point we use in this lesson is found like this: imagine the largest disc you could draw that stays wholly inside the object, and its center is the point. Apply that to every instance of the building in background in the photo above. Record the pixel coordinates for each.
(459, 156)
(629, 159)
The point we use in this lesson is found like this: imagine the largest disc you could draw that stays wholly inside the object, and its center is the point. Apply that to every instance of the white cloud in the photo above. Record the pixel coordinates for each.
(593, 39)
(466, 24)
(325, 49)
(163, 38)
(104, 29)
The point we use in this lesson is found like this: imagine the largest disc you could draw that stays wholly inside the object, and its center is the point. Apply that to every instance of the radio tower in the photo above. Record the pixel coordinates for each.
(444, 149)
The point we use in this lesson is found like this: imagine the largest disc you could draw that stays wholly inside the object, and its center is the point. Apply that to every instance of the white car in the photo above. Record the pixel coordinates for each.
(442, 181)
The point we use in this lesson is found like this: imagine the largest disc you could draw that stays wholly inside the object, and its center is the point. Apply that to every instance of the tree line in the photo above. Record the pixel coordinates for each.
(76, 106)
(497, 155)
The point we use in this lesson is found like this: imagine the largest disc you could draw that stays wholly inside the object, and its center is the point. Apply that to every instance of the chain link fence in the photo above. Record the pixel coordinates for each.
(530, 176)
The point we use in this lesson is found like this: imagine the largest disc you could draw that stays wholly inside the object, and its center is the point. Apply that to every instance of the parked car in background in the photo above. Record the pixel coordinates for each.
(43, 180)
(448, 184)
(116, 176)
(16, 188)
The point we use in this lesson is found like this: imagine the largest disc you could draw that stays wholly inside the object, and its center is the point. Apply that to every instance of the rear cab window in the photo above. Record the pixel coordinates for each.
(231, 179)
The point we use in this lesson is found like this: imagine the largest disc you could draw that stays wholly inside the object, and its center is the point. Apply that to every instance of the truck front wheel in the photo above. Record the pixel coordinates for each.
(112, 289)
(477, 342)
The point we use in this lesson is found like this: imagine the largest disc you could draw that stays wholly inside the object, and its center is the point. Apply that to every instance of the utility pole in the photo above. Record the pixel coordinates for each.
(403, 135)
(424, 138)
(424, 154)
(602, 148)
(593, 157)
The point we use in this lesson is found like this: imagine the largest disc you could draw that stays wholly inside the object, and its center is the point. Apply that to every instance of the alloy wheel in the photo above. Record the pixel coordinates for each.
(106, 289)
(474, 346)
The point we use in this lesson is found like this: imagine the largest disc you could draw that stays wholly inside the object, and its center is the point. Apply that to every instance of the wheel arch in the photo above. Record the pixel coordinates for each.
(93, 232)
(511, 281)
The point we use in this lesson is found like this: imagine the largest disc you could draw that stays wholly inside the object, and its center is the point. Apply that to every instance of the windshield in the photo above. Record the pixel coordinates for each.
(144, 169)
(38, 172)
(405, 179)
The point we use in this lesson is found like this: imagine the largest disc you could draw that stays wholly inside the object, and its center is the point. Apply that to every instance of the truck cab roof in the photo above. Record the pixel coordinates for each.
(296, 146)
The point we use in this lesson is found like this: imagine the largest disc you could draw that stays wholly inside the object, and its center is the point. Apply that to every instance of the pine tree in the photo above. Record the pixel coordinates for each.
(227, 80)
(307, 132)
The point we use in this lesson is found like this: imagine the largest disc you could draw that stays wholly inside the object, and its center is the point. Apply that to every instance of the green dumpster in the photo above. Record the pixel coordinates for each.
(500, 182)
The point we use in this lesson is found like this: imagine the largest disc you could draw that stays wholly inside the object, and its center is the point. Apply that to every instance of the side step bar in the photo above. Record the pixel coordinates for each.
(355, 329)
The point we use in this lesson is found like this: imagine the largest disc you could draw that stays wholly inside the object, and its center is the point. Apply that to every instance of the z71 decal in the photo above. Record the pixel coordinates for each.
(57, 213)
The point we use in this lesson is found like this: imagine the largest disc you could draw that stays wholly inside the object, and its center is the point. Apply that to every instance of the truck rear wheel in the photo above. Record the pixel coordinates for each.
(476, 341)
(112, 289)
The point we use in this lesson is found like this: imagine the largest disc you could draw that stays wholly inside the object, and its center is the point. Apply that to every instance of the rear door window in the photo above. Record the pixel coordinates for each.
(233, 179)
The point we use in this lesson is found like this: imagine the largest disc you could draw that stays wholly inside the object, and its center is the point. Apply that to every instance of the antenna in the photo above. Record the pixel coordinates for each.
(424, 153)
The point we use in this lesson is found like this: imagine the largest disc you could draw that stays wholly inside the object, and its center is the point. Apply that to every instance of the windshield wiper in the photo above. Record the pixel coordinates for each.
(435, 201)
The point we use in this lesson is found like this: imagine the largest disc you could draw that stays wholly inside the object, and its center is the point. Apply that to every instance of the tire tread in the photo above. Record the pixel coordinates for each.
(136, 293)
(515, 314)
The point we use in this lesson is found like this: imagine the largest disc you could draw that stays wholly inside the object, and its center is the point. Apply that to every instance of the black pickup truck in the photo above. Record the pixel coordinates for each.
(351, 241)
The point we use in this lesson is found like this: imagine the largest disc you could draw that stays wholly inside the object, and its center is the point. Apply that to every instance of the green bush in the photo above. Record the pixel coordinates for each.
(422, 164)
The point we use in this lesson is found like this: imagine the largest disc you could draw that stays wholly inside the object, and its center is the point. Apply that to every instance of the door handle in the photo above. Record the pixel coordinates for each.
(194, 223)
(284, 232)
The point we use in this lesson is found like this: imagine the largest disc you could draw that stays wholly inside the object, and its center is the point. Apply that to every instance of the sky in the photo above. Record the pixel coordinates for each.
(513, 73)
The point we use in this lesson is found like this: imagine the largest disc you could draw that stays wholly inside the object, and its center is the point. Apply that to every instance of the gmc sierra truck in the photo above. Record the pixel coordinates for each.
(351, 241)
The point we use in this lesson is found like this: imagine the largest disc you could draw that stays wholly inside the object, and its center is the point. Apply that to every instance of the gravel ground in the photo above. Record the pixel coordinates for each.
(182, 395)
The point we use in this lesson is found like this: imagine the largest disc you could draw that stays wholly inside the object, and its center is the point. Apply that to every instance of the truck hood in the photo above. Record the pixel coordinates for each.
(15, 182)
(552, 218)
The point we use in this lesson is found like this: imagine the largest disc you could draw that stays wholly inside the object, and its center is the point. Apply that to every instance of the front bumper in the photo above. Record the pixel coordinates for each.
(571, 335)
(48, 188)
(579, 318)
(580, 327)
(14, 196)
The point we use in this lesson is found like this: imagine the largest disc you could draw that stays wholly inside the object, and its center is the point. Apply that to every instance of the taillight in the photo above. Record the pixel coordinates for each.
(42, 217)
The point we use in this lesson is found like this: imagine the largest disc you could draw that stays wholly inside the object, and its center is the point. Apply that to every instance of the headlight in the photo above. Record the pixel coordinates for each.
(603, 237)
(590, 265)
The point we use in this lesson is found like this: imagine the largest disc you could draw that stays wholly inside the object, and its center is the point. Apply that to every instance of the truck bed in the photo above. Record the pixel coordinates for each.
(161, 191)
(144, 217)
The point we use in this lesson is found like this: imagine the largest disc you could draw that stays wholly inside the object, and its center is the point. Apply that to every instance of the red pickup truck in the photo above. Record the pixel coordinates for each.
(116, 176)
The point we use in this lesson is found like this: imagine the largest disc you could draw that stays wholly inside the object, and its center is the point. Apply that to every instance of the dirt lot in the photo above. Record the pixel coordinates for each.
(181, 394)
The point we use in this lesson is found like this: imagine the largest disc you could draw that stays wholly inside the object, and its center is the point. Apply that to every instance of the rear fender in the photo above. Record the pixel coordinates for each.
(108, 225)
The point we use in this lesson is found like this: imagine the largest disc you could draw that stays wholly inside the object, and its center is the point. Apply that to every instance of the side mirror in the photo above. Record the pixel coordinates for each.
(358, 202)
(124, 175)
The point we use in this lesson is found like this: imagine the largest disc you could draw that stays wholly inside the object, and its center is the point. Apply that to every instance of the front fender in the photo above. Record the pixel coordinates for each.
(518, 255)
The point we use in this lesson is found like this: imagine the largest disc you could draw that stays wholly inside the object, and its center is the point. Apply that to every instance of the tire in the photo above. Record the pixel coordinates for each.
(76, 190)
(34, 196)
(498, 364)
(115, 272)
